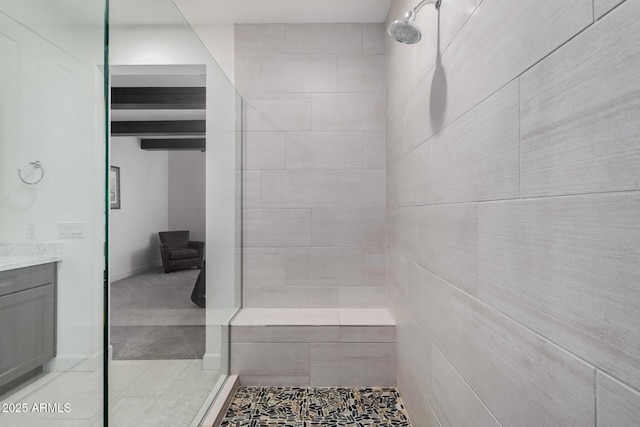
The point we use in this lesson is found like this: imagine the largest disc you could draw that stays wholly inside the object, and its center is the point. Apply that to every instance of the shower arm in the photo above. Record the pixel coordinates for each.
(412, 13)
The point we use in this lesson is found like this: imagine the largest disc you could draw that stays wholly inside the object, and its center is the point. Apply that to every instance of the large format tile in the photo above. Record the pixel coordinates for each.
(277, 227)
(427, 111)
(414, 350)
(453, 16)
(324, 266)
(429, 303)
(523, 379)
(367, 334)
(395, 134)
(418, 408)
(365, 189)
(259, 39)
(348, 111)
(299, 73)
(324, 150)
(352, 364)
(277, 111)
(348, 227)
(401, 86)
(290, 296)
(396, 277)
(360, 73)
(361, 296)
(431, 21)
(264, 150)
(247, 74)
(251, 188)
(568, 269)
(453, 401)
(324, 38)
(290, 333)
(373, 266)
(270, 359)
(618, 404)
(603, 6)
(515, 36)
(579, 132)
(263, 266)
(299, 189)
(439, 238)
(360, 317)
(373, 38)
(374, 150)
(478, 156)
(412, 186)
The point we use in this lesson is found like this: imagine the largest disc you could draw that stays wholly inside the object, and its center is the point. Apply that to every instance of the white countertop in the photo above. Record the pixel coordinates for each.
(20, 255)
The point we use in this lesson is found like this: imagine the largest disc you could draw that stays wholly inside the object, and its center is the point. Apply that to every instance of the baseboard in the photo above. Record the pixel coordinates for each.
(134, 271)
(212, 361)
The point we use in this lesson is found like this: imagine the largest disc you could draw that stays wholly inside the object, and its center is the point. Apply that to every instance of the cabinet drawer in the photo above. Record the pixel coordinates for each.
(21, 279)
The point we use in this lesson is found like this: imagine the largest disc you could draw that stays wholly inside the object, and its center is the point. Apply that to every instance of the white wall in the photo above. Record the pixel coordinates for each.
(187, 201)
(513, 196)
(53, 111)
(144, 201)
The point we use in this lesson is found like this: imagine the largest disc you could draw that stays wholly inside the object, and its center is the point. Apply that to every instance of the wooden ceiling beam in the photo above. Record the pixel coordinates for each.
(159, 127)
(158, 98)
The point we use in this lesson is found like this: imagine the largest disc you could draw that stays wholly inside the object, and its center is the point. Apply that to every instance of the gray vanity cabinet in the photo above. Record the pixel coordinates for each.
(27, 320)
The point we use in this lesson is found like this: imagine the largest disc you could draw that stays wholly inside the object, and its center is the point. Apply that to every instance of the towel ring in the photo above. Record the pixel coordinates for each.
(37, 166)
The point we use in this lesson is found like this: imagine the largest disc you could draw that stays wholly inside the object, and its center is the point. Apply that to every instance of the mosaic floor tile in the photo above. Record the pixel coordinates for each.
(307, 407)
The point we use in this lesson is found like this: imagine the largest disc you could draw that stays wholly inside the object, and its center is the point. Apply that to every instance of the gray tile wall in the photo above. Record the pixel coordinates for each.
(315, 182)
(513, 207)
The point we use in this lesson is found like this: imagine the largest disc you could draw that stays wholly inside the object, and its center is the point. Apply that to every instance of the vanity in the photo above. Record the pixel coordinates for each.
(28, 293)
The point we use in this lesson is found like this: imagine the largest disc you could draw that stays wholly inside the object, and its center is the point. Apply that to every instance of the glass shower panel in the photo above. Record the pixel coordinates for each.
(153, 46)
(52, 228)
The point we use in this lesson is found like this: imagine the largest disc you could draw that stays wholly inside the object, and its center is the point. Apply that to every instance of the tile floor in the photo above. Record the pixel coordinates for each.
(143, 393)
(153, 393)
(306, 407)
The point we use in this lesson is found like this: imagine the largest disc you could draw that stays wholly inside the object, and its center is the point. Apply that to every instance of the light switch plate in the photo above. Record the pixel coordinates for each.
(71, 230)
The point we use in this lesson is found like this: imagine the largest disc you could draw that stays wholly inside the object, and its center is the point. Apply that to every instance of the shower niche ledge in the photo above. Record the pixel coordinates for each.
(314, 347)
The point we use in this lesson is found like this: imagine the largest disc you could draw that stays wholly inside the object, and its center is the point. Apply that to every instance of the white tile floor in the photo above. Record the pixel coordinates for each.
(146, 393)
(143, 393)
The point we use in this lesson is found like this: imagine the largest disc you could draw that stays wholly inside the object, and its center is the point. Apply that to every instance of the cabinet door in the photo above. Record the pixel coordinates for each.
(26, 331)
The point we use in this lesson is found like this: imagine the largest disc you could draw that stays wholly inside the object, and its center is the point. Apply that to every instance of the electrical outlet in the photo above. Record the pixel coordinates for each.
(31, 230)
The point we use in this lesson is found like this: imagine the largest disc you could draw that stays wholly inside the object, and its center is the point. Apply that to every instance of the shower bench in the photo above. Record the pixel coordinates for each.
(313, 347)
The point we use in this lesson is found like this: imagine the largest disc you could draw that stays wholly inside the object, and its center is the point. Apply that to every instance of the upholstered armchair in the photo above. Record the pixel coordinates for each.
(179, 252)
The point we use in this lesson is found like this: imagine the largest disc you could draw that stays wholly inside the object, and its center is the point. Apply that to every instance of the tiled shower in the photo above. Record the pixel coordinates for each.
(512, 207)
(511, 237)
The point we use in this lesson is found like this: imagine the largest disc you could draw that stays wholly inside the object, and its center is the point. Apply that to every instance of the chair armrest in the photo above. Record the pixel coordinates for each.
(195, 244)
(164, 246)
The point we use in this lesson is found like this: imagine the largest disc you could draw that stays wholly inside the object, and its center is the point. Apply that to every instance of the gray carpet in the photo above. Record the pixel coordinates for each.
(153, 318)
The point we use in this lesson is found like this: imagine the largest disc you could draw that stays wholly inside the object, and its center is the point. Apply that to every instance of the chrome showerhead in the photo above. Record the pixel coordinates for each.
(405, 30)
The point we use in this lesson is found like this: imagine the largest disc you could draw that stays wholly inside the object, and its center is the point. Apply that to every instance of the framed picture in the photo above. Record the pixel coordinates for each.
(114, 187)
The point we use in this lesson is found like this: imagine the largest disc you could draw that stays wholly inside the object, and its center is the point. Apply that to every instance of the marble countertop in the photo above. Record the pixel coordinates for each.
(20, 255)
